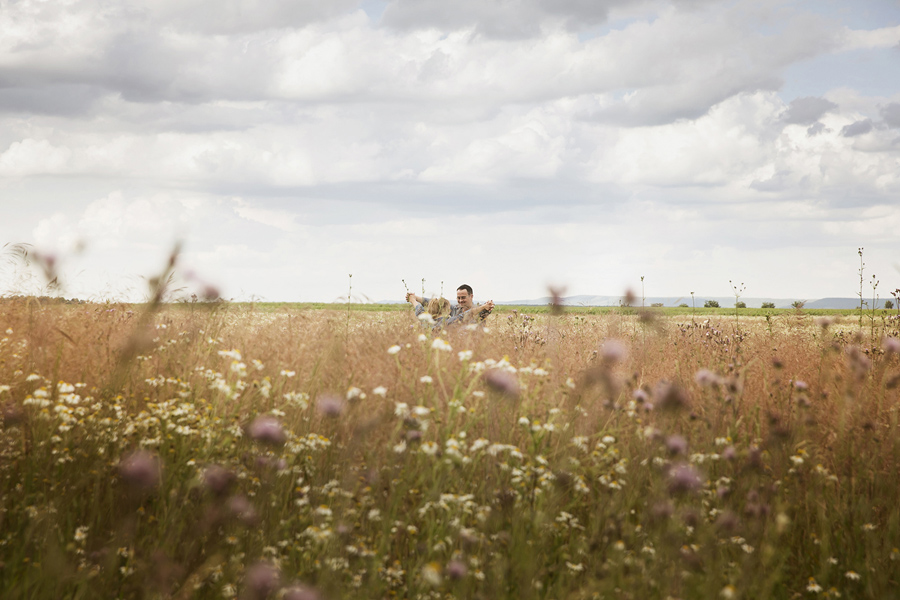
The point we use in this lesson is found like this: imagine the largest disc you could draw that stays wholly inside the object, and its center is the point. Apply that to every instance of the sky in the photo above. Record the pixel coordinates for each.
(508, 144)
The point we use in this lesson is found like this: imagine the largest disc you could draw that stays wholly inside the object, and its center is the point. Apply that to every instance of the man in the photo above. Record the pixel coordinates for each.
(465, 300)
(465, 310)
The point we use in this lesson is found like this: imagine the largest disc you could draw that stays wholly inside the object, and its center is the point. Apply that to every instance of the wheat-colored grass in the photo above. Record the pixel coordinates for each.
(210, 451)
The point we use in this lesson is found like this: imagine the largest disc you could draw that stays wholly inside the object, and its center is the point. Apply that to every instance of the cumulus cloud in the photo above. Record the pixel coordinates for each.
(289, 126)
(891, 114)
(693, 57)
(807, 110)
(241, 16)
(514, 19)
(31, 156)
(816, 128)
(856, 128)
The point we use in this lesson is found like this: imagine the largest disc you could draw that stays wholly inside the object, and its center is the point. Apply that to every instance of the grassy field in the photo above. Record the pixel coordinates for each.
(295, 451)
(879, 315)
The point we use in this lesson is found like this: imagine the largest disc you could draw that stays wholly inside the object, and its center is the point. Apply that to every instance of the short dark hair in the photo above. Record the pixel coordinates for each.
(466, 287)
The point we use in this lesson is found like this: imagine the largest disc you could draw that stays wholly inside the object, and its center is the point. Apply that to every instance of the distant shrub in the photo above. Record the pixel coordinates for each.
(711, 304)
(888, 304)
(683, 305)
(740, 304)
(768, 305)
(798, 304)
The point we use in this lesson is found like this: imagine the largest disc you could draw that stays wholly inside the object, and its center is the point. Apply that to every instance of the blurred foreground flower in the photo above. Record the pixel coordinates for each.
(141, 470)
(613, 352)
(441, 344)
(218, 480)
(456, 570)
(676, 444)
(330, 406)
(431, 573)
(260, 581)
(267, 430)
(684, 478)
(670, 397)
(301, 592)
(503, 382)
(707, 378)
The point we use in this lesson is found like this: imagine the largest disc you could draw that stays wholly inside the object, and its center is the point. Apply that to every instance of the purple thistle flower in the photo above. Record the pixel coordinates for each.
(503, 382)
(684, 478)
(261, 581)
(218, 480)
(456, 570)
(241, 508)
(670, 397)
(613, 352)
(330, 406)
(301, 592)
(141, 470)
(267, 430)
(729, 453)
(727, 521)
(675, 444)
(661, 511)
(707, 378)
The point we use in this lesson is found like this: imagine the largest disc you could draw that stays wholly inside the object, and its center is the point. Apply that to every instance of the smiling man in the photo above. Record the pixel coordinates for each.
(465, 300)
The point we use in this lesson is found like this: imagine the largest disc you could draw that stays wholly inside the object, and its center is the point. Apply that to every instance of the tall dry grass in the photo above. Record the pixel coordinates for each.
(214, 451)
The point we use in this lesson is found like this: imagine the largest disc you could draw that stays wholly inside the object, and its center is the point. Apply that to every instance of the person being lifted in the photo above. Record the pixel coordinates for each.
(438, 308)
(464, 311)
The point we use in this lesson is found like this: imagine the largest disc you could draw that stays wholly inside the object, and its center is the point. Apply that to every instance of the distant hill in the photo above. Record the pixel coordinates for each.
(843, 303)
(699, 301)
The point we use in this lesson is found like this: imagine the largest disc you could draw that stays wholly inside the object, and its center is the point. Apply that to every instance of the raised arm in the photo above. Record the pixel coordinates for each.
(473, 315)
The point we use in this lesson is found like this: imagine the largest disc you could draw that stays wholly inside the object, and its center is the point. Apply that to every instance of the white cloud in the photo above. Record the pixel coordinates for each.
(279, 219)
(30, 156)
(303, 138)
(884, 37)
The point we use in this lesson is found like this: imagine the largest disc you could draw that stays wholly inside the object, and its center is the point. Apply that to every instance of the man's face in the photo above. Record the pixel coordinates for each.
(464, 299)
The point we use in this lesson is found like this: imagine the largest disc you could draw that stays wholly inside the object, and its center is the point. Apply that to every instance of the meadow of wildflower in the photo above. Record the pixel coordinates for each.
(218, 450)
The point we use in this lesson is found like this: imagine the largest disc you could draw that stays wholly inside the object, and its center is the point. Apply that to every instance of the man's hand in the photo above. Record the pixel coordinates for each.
(485, 309)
